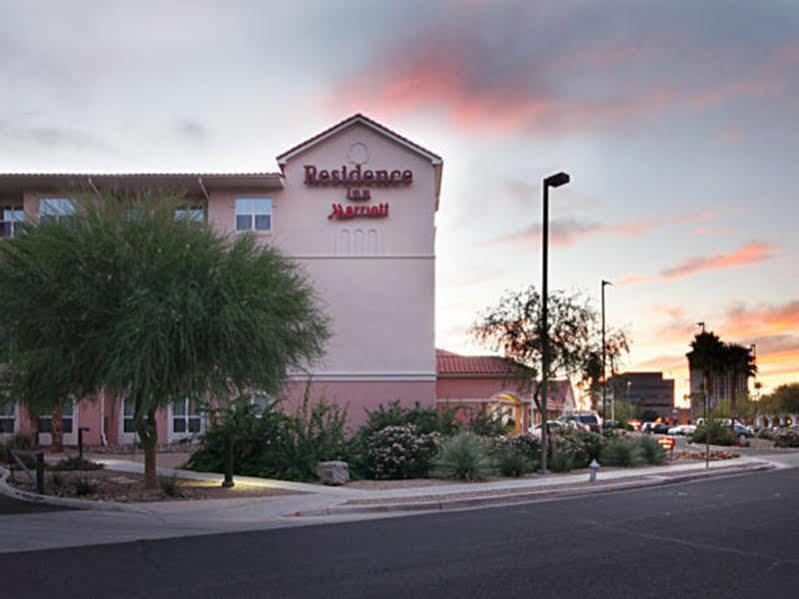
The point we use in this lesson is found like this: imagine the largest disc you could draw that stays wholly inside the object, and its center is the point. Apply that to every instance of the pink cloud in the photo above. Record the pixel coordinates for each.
(628, 280)
(756, 251)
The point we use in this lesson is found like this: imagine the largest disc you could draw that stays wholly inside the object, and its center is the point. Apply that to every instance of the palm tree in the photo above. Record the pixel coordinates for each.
(707, 354)
(738, 360)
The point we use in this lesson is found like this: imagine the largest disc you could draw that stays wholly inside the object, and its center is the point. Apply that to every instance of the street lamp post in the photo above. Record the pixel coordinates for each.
(704, 394)
(555, 180)
(604, 392)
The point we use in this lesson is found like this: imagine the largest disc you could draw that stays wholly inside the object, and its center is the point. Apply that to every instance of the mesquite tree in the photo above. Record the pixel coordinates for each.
(513, 327)
(128, 298)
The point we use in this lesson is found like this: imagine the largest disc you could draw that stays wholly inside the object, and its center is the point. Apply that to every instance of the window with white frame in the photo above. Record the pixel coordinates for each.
(195, 214)
(11, 219)
(262, 401)
(8, 415)
(186, 417)
(128, 411)
(56, 209)
(67, 416)
(254, 214)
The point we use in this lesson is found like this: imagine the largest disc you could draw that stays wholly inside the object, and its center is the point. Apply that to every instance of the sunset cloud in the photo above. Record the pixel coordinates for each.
(756, 251)
(522, 78)
(568, 231)
(628, 280)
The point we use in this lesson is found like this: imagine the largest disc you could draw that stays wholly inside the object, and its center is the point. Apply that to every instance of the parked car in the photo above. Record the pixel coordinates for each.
(552, 426)
(646, 427)
(743, 432)
(660, 428)
(682, 429)
(589, 421)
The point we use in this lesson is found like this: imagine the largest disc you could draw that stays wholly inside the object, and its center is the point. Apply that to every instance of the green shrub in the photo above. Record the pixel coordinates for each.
(426, 420)
(57, 481)
(170, 487)
(718, 433)
(581, 446)
(396, 452)
(560, 461)
(766, 433)
(275, 444)
(85, 486)
(76, 463)
(463, 457)
(622, 452)
(516, 456)
(651, 451)
(788, 437)
(485, 425)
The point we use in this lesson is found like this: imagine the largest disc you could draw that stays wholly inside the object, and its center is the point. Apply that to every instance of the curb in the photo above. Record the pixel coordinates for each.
(512, 498)
(54, 501)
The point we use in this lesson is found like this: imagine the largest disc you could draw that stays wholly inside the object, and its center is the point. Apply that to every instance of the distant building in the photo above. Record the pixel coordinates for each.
(645, 391)
(485, 384)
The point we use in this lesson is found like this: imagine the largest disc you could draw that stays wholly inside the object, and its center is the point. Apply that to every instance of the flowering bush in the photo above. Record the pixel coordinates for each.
(788, 437)
(400, 452)
(579, 446)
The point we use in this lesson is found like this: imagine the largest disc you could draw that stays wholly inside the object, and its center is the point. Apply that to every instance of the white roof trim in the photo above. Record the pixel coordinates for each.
(435, 160)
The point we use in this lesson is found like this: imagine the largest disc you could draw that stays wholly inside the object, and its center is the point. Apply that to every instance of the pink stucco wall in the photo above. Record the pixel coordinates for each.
(381, 302)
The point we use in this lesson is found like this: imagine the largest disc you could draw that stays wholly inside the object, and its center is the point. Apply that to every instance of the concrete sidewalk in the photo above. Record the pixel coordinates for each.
(316, 504)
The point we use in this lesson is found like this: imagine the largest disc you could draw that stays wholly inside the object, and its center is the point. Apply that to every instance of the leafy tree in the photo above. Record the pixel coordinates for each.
(513, 327)
(124, 297)
(737, 360)
(783, 400)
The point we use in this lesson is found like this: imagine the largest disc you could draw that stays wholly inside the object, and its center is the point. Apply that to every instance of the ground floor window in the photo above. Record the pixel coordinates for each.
(67, 415)
(128, 410)
(186, 417)
(8, 416)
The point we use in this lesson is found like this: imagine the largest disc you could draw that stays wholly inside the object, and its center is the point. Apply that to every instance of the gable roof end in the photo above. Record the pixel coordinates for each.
(435, 159)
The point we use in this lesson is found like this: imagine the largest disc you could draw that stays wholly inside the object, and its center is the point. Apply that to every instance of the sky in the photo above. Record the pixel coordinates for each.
(676, 121)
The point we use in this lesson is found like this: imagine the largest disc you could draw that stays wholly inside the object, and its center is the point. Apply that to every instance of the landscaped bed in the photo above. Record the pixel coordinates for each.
(106, 485)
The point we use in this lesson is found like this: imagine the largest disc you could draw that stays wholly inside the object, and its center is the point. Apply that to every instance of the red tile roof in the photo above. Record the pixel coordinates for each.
(452, 364)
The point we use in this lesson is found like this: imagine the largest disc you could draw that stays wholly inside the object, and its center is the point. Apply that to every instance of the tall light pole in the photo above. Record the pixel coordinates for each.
(555, 180)
(604, 392)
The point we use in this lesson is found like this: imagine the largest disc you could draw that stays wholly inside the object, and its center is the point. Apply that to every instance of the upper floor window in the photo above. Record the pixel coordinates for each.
(194, 214)
(11, 218)
(253, 214)
(56, 209)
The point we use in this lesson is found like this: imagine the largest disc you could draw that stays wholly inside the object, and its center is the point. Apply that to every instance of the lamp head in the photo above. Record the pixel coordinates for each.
(557, 179)
(604, 282)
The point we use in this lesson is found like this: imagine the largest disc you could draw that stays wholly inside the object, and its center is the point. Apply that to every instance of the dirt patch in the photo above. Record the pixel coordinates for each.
(106, 485)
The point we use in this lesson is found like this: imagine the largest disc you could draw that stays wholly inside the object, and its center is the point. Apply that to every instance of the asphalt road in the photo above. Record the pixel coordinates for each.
(13, 506)
(731, 537)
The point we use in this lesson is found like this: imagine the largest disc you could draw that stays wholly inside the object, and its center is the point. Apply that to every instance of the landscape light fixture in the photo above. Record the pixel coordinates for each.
(555, 180)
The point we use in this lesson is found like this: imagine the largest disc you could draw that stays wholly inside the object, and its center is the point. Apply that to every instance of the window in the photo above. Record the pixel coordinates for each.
(262, 401)
(128, 408)
(56, 209)
(11, 219)
(186, 417)
(253, 214)
(8, 416)
(46, 419)
(195, 214)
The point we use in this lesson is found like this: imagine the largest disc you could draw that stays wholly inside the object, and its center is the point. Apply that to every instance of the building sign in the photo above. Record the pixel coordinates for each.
(357, 182)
